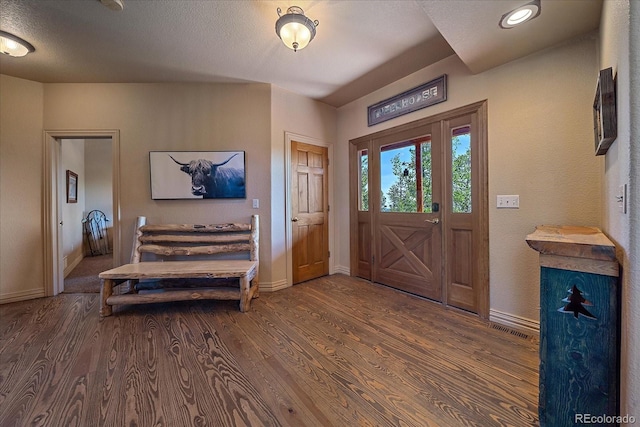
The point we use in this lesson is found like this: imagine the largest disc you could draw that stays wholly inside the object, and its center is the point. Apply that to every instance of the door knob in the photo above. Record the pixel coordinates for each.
(433, 221)
(294, 219)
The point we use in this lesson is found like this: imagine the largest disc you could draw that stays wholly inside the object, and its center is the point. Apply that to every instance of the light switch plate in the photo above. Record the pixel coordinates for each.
(256, 203)
(621, 198)
(508, 201)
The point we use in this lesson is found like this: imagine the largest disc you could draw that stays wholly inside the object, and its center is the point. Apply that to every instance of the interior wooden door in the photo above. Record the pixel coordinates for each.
(406, 215)
(309, 211)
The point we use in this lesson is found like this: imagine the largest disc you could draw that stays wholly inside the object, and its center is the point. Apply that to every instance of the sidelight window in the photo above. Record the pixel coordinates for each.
(363, 179)
(461, 169)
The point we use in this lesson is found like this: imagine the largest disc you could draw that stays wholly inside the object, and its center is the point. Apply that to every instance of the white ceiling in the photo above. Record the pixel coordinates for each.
(359, 47)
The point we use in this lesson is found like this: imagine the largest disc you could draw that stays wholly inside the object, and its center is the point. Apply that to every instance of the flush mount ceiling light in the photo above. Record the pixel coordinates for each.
(115, 5)
(520, 15)
(13, 45)
(294, 29)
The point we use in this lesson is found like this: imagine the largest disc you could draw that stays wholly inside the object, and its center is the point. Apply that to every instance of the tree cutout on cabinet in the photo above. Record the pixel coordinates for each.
(576, 304)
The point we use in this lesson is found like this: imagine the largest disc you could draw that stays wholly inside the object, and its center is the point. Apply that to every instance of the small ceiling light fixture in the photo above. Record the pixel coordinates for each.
(520, 15)
(14, 46)
(294, 29)
(115, 5)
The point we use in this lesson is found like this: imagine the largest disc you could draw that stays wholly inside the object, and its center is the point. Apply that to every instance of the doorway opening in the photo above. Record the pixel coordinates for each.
(87, 231)
(94, 186)
(419, 208)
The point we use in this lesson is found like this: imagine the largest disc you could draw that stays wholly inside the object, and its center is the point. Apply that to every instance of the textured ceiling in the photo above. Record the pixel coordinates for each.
(360, 46)
(484, 45)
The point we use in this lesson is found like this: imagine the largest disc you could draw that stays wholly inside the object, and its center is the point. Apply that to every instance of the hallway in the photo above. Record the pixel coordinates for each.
(84, 278)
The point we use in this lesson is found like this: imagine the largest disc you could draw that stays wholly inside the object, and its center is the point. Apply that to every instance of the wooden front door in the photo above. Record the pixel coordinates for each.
(309, 211)
(407, 235)
(419, 208)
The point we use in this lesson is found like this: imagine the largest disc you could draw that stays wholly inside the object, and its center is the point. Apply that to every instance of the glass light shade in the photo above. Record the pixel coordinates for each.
(294, 29)
(295, 36)
(14, 46)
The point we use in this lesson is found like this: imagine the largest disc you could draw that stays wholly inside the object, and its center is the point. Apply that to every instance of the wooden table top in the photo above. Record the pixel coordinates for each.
(181, 269)
(573, 241)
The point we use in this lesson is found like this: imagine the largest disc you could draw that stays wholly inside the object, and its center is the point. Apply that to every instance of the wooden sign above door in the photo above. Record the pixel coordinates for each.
(419, 97)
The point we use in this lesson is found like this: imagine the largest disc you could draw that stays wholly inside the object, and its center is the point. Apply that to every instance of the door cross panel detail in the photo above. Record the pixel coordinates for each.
(403, 249)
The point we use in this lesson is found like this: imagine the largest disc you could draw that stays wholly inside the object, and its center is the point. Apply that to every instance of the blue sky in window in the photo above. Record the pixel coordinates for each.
(387, 178)
(465, 143)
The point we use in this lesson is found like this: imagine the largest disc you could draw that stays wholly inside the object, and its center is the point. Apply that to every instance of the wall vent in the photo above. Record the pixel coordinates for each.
(506, 329)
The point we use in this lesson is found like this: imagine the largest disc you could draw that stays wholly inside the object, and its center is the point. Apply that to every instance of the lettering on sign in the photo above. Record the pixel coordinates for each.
(425, 95)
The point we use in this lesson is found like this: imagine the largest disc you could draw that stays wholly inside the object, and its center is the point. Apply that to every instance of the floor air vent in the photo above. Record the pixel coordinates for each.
(511, 331)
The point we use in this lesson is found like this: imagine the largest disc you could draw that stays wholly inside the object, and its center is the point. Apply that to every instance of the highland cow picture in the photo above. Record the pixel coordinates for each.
(197, 175)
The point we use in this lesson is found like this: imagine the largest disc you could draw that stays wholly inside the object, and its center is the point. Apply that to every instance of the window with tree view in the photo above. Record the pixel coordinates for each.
(461, 169)
(363, 203)
(405, 176)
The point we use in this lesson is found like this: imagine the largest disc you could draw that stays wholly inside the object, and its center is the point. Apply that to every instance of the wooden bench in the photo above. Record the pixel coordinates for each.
(178, 279)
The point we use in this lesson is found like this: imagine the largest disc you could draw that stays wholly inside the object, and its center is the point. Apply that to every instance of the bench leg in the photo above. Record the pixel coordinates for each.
(245, 296)
(132, 286)
(256, 285)
(254, 291)
(106, 289)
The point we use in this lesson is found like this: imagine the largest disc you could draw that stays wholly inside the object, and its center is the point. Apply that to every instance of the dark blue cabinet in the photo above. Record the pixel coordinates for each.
(579, 326)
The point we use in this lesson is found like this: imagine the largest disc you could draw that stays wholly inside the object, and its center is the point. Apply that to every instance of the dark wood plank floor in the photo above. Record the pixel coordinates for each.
(335, 351)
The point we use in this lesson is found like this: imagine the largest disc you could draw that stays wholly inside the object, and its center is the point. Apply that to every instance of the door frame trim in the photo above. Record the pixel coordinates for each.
(52, 201)
(288, 138)
(481, 246)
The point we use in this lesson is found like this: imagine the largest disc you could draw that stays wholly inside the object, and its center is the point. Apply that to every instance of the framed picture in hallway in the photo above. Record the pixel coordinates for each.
(179, 175)
(605, 125)
(72, 187)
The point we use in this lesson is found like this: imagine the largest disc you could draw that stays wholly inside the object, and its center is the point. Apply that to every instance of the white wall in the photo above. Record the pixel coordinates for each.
(21, 245)
(614, 52)
(631, 351)
(540, 146)
(98, 177)
(619, 33)
(72, 159)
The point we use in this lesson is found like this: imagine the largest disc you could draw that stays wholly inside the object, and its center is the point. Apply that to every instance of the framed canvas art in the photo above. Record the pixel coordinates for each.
(72, 187)
(197, 175)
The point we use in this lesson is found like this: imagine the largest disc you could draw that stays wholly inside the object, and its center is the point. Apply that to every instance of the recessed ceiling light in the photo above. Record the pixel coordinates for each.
(13, 45)
(520, 15)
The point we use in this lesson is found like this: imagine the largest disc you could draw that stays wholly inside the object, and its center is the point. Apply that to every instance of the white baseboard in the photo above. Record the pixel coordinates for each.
(75, 257)
(282, 284)
(273, 286)
(340, 269)
(21, 295)
(515, 322)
